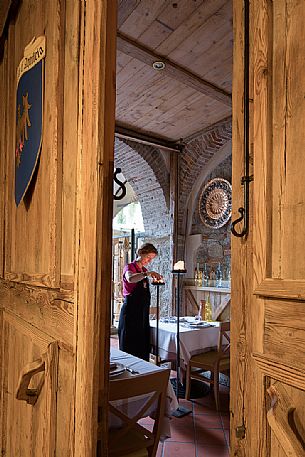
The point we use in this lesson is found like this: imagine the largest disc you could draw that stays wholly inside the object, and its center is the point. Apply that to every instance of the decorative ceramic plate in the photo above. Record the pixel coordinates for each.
(215, 203)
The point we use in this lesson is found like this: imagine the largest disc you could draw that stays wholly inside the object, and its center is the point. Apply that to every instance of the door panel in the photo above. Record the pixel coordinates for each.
(286, 420)
(45, 425)
(32, 250)
(284, 118)
(284, 329)
(28, 429)
(268, 285)
(55, 248)
(36, 312)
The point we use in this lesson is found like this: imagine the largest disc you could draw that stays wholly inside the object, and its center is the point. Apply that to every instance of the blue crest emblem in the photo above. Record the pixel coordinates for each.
(29, 115)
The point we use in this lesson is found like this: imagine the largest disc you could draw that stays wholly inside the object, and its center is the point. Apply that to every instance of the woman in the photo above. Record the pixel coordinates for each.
(134, 334)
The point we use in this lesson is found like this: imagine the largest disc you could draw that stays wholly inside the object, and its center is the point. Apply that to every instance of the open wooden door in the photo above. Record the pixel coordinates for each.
(55, 247)
(268, 287)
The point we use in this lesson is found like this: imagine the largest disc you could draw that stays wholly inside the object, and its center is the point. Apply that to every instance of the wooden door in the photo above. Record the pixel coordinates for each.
(55, 247)
(268, 288)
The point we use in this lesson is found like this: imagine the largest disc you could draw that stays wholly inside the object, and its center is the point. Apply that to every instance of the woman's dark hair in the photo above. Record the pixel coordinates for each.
(147, 248)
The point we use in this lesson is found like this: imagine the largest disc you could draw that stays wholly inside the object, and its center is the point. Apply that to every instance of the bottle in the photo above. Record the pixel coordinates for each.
(196, 276)
(229, 276)
(202, 308)
(205, 276)
(218, 276)
(200, 278)
(198, 315)
(208, 311)
(212, 277)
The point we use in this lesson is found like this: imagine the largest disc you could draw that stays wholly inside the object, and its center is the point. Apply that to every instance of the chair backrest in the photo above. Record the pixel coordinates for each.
(224, 339)
(225, 313)
(132, 398)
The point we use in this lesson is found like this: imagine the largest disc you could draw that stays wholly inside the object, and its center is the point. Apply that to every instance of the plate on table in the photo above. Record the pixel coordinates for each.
(199, 324)
(116, 369)
(172, 319)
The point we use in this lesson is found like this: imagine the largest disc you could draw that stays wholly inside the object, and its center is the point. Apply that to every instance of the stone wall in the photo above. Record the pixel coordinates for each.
(145, 170)
(162, 265)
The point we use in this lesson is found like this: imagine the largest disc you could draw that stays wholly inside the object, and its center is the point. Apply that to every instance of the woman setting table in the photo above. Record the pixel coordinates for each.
(134, 329)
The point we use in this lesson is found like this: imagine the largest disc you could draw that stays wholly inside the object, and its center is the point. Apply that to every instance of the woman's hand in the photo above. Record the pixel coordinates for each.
(154, 275)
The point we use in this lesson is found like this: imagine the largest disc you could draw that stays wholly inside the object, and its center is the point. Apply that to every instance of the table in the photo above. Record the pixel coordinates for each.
(192, 340)
(141, 366)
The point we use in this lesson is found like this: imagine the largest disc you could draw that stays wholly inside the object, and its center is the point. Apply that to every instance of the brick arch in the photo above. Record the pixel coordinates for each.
(224, 153)
(195, 158)
(145, 170)
(155, 160)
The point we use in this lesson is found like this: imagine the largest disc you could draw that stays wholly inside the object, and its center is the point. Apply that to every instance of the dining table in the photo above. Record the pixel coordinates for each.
(195, 337)
(130, 366)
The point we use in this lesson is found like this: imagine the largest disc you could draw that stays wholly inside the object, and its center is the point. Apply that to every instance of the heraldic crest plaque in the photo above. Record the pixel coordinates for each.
(29, 114)
(215, 203)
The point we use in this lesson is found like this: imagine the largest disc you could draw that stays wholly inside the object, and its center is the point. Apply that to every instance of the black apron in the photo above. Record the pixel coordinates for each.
(134, 329)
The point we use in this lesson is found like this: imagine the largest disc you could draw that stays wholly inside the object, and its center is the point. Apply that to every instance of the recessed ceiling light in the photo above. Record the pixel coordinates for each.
(158, 65)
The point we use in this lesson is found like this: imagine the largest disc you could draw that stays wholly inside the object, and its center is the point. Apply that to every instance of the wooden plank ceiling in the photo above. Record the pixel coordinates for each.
(194, 40)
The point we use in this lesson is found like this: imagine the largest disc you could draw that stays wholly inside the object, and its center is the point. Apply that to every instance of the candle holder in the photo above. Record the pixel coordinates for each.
(157, 284)
(181, 410)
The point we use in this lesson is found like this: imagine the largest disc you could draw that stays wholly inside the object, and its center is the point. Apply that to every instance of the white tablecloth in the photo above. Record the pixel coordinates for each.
(192, 340)
(142, 367)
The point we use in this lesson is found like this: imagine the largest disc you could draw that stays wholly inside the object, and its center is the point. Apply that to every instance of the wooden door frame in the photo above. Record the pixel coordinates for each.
(241, 252)
(94, 220)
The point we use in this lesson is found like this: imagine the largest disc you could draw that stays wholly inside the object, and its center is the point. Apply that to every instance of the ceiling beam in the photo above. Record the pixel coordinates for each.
(143, 138)
(172, 70)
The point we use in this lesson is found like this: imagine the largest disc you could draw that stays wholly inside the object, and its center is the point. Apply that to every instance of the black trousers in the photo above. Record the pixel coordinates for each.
(134, 329)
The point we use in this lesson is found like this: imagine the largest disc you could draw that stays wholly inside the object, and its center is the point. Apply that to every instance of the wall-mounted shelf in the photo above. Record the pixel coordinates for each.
(219, 290)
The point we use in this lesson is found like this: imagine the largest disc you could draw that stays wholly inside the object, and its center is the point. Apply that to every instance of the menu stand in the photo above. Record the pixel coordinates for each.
(181, 410)
(157, 284)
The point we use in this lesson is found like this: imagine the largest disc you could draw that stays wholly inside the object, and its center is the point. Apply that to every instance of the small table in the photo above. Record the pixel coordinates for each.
(142, 367)
(193, 340)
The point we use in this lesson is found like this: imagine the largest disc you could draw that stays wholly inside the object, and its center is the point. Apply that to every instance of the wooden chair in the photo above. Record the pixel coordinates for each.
(225, 314)
(217, 361)
(131, 439)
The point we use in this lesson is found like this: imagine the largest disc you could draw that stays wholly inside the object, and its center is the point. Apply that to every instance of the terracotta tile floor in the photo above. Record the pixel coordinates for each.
(202, 433)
